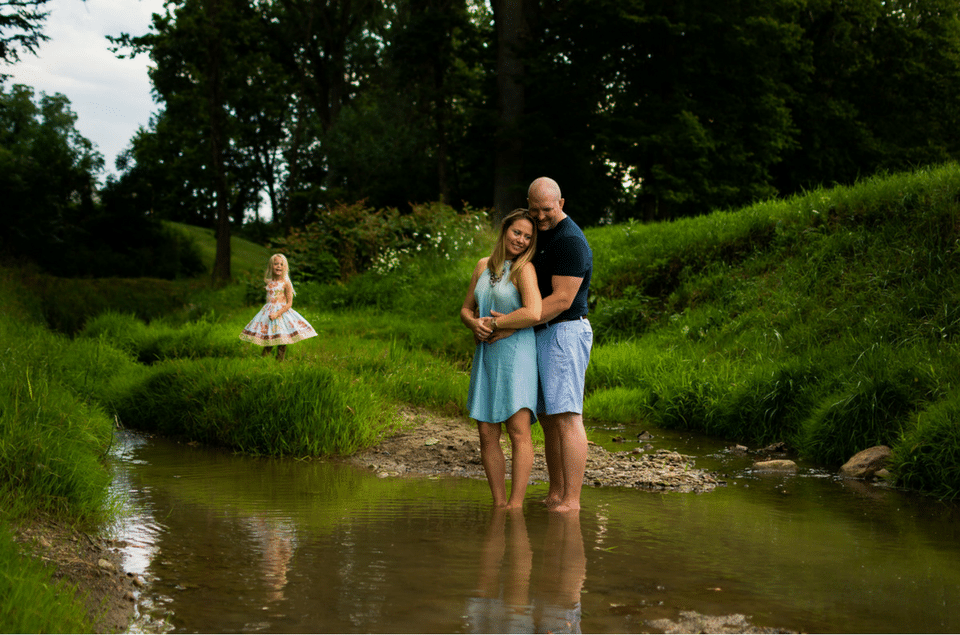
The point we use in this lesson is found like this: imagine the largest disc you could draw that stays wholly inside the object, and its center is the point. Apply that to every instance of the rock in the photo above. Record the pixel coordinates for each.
(778, 447)
(867, 463)
(777, 465)
(107, 566)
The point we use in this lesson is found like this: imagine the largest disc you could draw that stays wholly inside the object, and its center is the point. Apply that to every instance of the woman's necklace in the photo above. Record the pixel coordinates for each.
(495, 279)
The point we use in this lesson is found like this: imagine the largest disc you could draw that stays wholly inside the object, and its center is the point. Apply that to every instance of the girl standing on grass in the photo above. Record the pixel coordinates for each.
(502, 305)
(276, 324)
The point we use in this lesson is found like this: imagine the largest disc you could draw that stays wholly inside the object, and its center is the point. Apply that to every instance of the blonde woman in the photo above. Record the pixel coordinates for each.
(503, 295)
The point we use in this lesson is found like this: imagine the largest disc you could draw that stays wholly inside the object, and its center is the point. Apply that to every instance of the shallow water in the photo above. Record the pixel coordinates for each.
(229, 543)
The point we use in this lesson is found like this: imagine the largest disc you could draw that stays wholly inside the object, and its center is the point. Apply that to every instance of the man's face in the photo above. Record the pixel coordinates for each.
(547, 210)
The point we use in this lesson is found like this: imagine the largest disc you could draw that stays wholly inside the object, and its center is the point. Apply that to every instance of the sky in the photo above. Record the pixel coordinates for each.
(110, 96)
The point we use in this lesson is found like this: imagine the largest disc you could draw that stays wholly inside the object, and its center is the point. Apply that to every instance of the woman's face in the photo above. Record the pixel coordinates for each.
(518, 237)
(277, 268)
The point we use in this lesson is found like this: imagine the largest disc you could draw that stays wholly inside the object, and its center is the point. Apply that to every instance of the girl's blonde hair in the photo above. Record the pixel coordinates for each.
(499, 255)
(268, 274)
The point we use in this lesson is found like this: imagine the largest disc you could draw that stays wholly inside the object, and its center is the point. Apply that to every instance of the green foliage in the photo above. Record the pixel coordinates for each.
(246, 258)
(66, 304)
(195, 339)
(834, 331)
(926, 457)
(257, 406)
(52, 438)
(47, 182)
(359, 239)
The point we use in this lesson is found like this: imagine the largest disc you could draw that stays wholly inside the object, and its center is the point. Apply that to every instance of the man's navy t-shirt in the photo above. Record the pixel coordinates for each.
(563, 251)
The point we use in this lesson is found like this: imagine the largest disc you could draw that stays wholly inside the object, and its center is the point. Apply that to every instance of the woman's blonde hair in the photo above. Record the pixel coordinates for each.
(499, 255)
(268, 274)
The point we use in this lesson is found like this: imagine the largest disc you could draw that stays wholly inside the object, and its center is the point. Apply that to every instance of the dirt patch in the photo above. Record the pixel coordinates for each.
(425, 443)
(90, 563)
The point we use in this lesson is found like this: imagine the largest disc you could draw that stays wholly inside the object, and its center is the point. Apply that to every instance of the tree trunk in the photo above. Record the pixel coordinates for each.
(509, 188)
(221, 264)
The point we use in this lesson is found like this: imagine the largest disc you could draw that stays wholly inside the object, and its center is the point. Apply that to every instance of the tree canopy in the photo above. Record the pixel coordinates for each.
(640, 109)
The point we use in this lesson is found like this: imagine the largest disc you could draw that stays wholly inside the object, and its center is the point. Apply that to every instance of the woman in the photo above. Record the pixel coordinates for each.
(503, 294)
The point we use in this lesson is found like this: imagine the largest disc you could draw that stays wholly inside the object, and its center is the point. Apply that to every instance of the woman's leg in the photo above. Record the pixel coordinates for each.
(518, 427)
(281, 352)
(266, 351)
(494, 463)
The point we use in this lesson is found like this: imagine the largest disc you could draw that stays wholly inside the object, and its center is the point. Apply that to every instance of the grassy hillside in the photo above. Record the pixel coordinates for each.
(245, 257)
(830, 321)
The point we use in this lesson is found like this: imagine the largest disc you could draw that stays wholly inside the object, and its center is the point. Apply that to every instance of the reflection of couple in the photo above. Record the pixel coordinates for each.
(527, 307)
(505, 602)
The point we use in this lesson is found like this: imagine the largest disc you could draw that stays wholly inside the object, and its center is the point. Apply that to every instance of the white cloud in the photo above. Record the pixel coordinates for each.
(111, 96)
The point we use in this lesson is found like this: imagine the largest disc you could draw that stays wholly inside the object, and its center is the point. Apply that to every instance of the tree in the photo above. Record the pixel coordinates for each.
(21, 28)
(208, 56)
(882, 90)
(509, 188)
(47, 172)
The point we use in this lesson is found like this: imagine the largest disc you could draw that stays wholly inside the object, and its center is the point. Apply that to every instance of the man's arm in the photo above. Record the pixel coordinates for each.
(565, 290)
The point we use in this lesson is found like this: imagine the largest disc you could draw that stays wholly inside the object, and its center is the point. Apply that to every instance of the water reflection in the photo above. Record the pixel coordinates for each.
(506, 600)
(275, 540)
(502, 603)
(229, 543)
(564, 569)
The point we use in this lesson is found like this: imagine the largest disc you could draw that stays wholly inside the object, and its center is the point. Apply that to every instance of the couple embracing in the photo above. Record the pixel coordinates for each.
(527, 307)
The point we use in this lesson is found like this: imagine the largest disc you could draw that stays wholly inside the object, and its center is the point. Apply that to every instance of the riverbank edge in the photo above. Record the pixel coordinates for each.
(92, 564)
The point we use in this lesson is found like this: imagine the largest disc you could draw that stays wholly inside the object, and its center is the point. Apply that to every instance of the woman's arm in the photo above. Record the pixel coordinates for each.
(480, 326)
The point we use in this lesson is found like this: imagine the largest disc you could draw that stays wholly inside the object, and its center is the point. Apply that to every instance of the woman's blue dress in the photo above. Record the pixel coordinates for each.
(504, 375)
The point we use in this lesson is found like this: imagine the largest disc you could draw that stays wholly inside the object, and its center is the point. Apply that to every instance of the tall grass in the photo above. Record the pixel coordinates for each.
(256, 406)
(829, 320)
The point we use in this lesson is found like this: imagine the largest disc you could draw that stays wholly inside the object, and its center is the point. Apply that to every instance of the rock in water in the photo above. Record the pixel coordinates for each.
(867, 463)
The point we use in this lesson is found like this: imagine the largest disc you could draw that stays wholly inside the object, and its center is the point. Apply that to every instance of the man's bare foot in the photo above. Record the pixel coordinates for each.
(551, 501)
(562, 508)
(517, 505)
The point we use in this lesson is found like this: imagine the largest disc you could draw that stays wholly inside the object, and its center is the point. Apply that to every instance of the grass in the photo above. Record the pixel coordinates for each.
(32, 601)
(245, 257)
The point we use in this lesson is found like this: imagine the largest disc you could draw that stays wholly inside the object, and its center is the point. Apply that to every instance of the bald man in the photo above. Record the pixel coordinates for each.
(564, 265)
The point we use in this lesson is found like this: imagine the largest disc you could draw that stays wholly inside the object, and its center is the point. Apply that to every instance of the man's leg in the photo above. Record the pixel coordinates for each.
(573, 458)
(552, 454)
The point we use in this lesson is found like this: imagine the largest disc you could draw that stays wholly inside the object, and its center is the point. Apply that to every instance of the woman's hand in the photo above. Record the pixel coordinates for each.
(274, 315)
(483, 329)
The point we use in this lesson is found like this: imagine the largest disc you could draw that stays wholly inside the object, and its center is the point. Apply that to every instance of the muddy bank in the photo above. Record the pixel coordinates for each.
(90, 563)
(429, 444)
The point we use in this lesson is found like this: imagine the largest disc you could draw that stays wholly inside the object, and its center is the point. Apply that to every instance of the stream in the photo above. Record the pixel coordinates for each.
(231, 543)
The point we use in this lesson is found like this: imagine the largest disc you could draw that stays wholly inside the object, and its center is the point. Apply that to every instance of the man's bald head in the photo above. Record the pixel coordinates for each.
(544, 188)
(545, 203)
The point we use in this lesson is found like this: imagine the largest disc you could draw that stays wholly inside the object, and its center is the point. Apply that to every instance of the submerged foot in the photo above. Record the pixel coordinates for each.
(562, 508)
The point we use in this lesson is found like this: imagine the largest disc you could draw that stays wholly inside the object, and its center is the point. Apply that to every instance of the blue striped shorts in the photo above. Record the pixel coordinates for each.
(563, 352)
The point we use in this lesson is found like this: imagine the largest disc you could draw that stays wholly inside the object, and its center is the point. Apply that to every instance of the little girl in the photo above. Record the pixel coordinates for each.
(276, 323)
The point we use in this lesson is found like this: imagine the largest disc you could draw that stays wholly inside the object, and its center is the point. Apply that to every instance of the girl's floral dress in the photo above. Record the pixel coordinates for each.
(286, 329)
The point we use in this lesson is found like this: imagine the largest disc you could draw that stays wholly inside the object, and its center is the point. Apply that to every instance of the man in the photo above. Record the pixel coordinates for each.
(564, 265)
